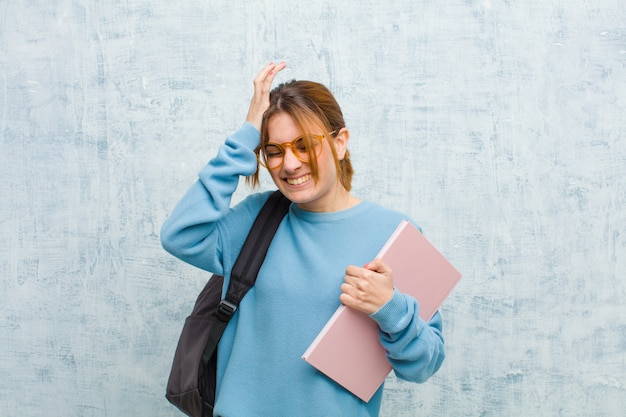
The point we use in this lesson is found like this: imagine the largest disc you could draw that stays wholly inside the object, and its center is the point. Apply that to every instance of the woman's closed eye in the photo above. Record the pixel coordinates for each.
(301, 145)
(273, 151)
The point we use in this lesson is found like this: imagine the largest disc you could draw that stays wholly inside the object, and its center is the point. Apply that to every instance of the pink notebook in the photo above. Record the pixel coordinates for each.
(348, 349)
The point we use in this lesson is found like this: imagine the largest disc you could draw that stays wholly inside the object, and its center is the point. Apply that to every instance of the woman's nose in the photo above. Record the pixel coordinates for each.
(290, 160)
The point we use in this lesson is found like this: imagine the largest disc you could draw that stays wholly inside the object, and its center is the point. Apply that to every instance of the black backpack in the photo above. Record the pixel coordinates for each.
(191, 385)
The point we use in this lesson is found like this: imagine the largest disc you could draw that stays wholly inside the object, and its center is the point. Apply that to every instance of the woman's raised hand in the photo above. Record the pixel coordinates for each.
(261, 97)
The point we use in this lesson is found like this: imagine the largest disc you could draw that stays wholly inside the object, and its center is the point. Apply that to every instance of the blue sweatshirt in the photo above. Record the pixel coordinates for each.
(260, 370)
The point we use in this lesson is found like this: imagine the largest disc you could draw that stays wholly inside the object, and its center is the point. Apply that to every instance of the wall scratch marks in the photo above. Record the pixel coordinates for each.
(499, 126)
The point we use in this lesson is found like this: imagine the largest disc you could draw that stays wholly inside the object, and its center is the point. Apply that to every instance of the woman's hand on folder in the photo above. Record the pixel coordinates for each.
(367, 289)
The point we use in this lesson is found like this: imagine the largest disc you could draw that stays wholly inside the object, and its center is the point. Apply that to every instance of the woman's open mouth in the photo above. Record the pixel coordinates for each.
(299, 180)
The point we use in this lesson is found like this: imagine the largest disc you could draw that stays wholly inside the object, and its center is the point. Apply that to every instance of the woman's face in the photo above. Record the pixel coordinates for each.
(294, 178)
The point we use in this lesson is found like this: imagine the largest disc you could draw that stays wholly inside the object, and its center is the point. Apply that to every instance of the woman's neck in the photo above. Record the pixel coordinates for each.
(341, 200)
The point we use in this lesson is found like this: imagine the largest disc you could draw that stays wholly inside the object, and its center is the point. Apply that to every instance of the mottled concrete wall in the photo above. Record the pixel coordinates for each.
(499, 125)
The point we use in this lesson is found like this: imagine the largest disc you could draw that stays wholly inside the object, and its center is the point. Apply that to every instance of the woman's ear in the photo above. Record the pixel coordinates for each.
(341, 142)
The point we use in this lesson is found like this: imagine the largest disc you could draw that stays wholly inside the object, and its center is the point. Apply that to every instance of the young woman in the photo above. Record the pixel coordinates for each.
(298, 133)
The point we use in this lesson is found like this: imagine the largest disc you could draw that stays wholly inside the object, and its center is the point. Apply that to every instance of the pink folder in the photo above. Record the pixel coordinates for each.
(348, 349)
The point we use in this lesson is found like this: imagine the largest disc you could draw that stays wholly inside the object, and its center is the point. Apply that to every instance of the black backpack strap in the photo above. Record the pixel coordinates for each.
(244, 272)
(252, 255)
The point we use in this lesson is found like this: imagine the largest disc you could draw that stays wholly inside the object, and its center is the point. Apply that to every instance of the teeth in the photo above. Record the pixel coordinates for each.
(298, 181)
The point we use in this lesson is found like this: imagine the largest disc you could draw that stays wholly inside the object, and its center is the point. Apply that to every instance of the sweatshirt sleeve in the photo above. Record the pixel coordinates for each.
(415, 348)
(194, 231)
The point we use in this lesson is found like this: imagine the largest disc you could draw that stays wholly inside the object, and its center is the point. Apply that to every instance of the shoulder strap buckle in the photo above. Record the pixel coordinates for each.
(226, 310)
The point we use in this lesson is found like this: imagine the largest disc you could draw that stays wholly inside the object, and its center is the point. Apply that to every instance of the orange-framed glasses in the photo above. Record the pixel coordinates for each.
(272, 155)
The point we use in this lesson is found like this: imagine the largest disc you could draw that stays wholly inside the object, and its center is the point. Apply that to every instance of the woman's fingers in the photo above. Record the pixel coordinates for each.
(261, 97)
(266, 76)
(367, 289)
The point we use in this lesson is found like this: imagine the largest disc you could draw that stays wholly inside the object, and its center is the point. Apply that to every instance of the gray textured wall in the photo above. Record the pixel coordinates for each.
(498, 125)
